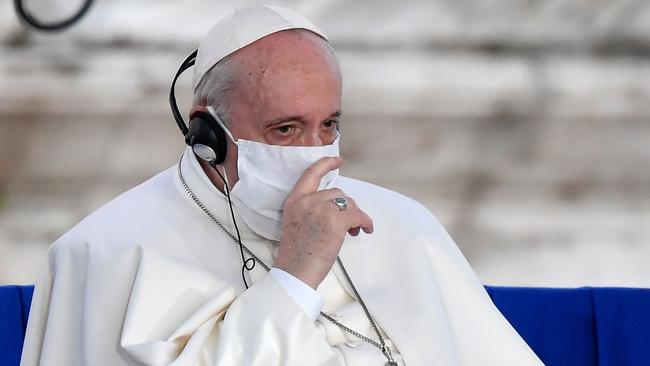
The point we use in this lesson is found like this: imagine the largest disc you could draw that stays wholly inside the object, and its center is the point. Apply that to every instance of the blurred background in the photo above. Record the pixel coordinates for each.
(523, 125)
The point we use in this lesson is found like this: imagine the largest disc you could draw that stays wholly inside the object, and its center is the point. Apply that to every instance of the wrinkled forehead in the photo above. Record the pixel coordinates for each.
(286, 64)
(294, 50)
(291, 73)
(243, 27)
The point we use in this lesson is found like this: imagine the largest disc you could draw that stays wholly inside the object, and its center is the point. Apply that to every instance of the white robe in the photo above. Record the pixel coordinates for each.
(149, 279)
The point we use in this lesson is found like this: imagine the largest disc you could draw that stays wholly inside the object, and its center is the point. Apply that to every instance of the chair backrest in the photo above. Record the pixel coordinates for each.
(584, 326)
(14, 310)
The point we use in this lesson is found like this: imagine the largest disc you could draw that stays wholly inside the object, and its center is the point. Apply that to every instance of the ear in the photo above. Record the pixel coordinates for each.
(196, 109)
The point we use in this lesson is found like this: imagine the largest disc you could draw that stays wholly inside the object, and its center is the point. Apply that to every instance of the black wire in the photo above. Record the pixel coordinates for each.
(30, 20)
(248, 264)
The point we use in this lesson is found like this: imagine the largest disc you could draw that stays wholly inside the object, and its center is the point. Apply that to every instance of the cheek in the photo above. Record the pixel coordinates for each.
(231, 164)
(231, 152)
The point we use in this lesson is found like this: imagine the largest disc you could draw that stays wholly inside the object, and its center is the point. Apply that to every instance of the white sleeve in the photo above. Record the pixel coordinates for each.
(306, 297)
(165, 312)
(178, 314)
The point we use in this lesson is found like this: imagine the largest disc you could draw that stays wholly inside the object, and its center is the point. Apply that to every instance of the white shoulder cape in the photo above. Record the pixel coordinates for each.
(149, 279)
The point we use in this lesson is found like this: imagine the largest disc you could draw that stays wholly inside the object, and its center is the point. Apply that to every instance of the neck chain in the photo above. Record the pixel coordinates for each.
(381, 345)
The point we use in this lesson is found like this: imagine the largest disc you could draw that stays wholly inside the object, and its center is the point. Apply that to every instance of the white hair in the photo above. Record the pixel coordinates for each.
(214, 87)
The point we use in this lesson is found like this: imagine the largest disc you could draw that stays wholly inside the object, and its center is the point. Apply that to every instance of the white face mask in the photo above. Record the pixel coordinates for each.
(267, 173)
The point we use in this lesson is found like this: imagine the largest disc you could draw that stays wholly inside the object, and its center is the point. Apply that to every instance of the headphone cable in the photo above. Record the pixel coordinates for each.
(248, 264)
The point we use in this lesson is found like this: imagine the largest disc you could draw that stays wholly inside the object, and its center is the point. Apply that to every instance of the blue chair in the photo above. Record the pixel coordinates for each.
(14, 310)
(584, 326)
(572, 327)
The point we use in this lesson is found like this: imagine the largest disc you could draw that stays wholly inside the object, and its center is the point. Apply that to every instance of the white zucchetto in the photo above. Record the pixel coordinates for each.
(241, 28)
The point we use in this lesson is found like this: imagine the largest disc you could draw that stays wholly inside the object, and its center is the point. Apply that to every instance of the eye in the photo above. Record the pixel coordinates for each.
(285, 129)
(331, 124)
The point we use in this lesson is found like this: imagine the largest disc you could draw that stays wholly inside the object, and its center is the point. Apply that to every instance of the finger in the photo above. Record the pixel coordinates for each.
(359, 219)
(328, 195)
(310, 179)
(369, 226)
(326, 199)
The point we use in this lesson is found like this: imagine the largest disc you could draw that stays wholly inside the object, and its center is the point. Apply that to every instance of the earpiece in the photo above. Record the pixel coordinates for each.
(208, 141)
(207, 138)
(204, 135)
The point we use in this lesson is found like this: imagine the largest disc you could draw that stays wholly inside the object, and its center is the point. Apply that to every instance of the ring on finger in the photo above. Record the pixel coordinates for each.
(341, 203)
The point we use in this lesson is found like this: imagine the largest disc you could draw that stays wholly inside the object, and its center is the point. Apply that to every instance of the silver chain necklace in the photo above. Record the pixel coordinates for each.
(381, 345)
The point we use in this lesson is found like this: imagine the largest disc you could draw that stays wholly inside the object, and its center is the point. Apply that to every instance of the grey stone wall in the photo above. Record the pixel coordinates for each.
(523, 125)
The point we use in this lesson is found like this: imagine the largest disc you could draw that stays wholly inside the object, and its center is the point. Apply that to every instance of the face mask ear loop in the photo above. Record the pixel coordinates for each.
(225, 180)
(220, 122)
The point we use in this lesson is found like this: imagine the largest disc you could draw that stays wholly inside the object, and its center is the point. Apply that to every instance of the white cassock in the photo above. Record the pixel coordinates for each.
(149, 279)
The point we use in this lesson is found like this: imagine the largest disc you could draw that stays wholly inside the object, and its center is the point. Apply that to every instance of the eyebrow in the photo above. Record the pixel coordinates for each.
(336, 114)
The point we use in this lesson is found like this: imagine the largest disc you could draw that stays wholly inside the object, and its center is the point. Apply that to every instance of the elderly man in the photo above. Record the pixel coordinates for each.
(359, 275)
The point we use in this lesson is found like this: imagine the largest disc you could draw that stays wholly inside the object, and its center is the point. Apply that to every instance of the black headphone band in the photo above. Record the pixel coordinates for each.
(189, 62)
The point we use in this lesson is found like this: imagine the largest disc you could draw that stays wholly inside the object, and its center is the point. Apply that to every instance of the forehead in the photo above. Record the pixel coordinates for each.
(287, 45)
(282, 53)
(287, 72)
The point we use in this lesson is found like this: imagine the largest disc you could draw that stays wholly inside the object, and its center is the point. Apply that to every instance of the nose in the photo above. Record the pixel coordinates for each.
(314, 138)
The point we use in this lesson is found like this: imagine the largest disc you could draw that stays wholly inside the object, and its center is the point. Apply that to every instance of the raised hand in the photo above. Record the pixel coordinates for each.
(314, 227)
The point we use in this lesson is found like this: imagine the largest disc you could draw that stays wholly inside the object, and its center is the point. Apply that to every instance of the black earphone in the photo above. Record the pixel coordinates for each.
(208, 142)
(204, 134)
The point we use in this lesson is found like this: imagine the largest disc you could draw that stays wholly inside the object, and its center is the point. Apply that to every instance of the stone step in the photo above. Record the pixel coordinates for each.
(492, 26)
